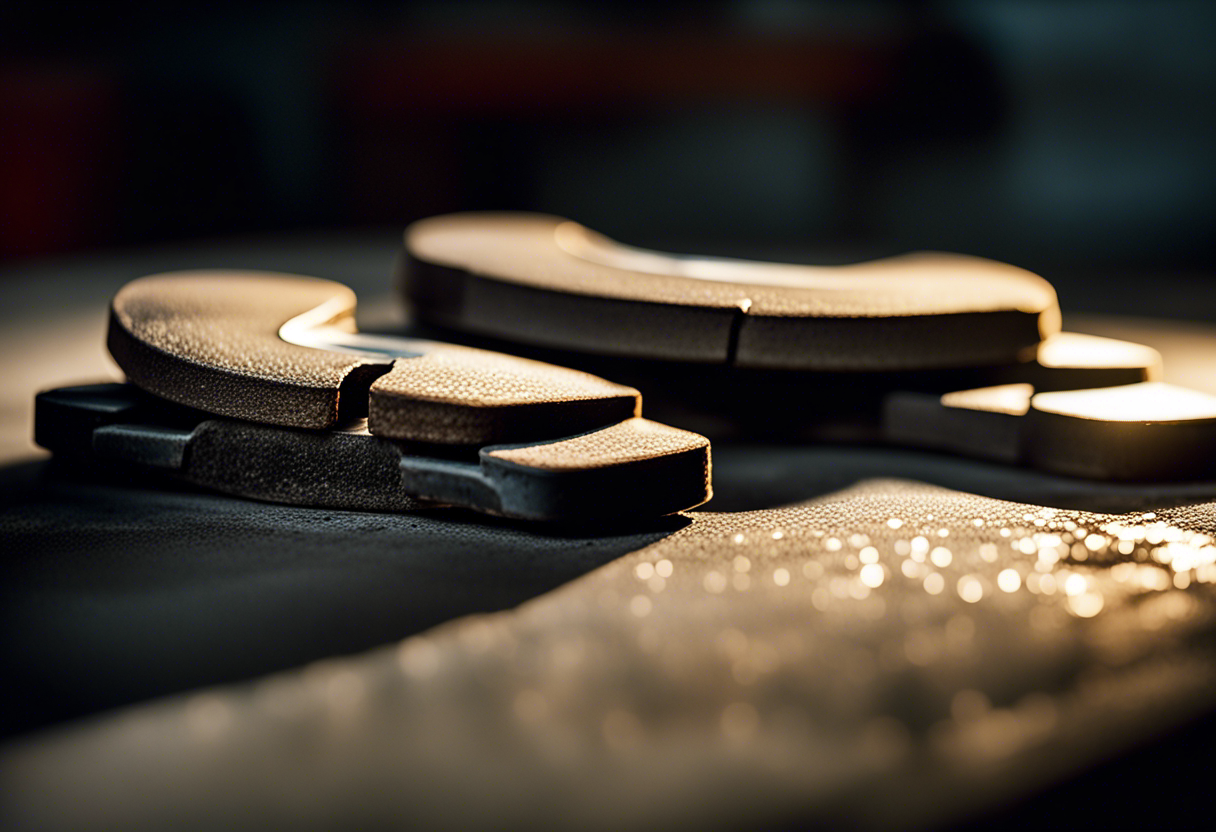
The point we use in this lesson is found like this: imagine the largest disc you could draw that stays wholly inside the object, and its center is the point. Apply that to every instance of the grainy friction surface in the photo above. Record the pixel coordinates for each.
(634, 440)
(210, 340)
(455, 394)
(916, 311)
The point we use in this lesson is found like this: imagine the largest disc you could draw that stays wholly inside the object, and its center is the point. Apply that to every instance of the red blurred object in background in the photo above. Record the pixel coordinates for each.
(58, 142)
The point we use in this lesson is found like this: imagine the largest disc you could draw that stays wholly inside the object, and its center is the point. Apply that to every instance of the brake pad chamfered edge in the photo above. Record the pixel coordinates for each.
(548, 282)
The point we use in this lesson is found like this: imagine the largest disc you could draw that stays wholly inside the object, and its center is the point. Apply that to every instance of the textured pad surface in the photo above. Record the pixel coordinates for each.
(216, 341)
(211, 340)
(891, 657)
(635, 440)
(550, 282)
(454, 394)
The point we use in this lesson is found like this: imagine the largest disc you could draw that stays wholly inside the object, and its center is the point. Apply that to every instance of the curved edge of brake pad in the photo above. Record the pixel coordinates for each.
(549, 282)
(1144, 431)
(631, 469)
(211, 340)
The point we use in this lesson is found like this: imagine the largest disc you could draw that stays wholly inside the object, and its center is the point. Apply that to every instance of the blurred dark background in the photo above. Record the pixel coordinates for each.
(1058, 136)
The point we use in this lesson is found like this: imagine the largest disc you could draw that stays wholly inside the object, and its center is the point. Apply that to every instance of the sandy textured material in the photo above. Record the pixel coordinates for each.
(269, 348)
(916, 311)
(894, 656)
(455, 394)
(630, 441)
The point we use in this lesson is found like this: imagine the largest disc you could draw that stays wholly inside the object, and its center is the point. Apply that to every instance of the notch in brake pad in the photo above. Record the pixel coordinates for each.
(632, 471)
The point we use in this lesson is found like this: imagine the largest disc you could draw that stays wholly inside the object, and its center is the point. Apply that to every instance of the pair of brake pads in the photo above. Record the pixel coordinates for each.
(942, 351)
(313, 412)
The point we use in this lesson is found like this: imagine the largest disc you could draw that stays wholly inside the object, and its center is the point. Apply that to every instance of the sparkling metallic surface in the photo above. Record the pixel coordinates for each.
(890, 656)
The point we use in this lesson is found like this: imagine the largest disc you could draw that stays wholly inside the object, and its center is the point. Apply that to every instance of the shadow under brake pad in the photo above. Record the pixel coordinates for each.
(473, 428)
(549, 282)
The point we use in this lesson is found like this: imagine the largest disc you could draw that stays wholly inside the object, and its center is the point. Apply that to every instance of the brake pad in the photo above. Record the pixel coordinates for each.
(628, 472)
(544, 281)
(1146, 431)
(283, 350)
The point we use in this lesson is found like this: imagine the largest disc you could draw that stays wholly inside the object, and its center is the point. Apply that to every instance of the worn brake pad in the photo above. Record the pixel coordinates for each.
(283, 350)
(548, 282)
(632, 471)
(1146, 431)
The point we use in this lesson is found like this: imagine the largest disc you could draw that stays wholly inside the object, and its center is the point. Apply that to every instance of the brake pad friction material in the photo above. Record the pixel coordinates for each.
(635, 440)
(550, 282)
(210, 340)
(283, 350)
(1145, 431)
(984, 423)
(459, 395)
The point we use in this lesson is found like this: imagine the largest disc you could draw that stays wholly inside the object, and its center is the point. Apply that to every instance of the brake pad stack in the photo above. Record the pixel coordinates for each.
(906, 349)
(280, 358)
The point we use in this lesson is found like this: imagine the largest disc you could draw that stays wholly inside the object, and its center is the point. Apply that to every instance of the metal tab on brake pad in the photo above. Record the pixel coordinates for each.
(628, 472)
(547, 282)
(1146, 431)
(283, 350)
